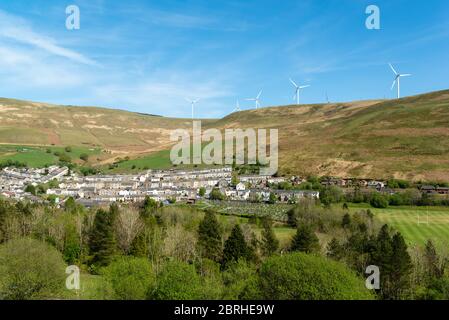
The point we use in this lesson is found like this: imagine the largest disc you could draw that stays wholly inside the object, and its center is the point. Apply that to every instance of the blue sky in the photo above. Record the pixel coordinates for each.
(148, 56)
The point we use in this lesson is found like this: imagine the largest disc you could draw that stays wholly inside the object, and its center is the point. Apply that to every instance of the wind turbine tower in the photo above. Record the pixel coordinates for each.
(256, 99)
(192, 103)
(397, 79)
(297, 90)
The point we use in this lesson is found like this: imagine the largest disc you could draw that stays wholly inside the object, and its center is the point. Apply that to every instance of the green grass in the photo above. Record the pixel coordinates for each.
(405, 220)
(156, 161)
(37, 157)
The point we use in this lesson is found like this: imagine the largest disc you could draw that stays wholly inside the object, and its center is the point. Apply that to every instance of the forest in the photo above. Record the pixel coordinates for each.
(178, 252)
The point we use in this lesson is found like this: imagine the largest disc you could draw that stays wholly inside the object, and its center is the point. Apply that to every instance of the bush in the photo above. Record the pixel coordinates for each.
(379, 201)
(215, 194)
(65, 158)
(130, 278)
(240, 282)
(299, 276)
(31, 189)
(68, 149)
(30, 269)
(84, 157)
(178, 281)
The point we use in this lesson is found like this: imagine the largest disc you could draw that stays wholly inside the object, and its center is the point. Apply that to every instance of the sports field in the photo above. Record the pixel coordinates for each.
(417, 224)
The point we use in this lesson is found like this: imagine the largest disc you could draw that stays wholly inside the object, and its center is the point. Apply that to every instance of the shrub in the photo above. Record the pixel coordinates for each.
(84, 157)
(215, 194)
(379, 201)
(178, 281)
(240, 282)
(30, 269)
(299, 276)
(130, 278)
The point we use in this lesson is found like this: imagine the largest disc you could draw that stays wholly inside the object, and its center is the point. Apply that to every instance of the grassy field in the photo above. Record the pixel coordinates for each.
(156, 161)
(37, 157)
(417, 224)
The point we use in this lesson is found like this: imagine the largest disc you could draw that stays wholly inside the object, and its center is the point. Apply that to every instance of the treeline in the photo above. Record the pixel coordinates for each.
(177, 252)
(155, 252)
(410, 197)
(359, 241)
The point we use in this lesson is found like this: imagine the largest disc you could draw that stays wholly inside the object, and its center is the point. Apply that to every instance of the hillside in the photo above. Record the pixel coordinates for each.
(404, 138)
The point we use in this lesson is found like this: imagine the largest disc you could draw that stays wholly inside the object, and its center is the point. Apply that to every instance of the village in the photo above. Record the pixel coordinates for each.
(162, 185)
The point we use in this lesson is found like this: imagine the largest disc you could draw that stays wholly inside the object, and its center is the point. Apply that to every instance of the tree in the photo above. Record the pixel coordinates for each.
(31, 189)
(30, 269)
(240, 282)
(391, 256)
(210, 237)
(299, 276)
(128, 225)
(379, 201)
(202, 192)
(401, 266)
(335, 250)
(235, 248)
(346, 221)
(305, 240)
(149, 206)
(130, 278)
(433, 264)
(332, 194)
(273, 198)
(102, 244)
(65, 158)
(178, 281)
(215, 194)
(270, 244)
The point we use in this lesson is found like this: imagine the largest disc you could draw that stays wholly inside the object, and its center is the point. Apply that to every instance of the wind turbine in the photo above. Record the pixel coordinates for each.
(193, 103)
(398, 79)
(256, 99)
(237, 106)
(297, 90)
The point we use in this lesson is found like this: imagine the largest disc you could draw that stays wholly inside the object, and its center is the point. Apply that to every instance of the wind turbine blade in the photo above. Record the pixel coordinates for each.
(302, 87)
(394, 83)
(393, 69)
(188, 100)
(294, 83)
(260, 93)
(405, 75)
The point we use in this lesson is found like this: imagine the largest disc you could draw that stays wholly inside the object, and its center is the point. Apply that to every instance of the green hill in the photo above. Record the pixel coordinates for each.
(404, 138)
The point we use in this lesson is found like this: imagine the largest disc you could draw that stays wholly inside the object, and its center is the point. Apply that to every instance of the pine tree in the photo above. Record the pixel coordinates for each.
(346, 221)
(210, 237)
(401, 266)
(305, 240)
(270, 244)
(102, 245)
(432, 261)
(235, 248)
(335, 250)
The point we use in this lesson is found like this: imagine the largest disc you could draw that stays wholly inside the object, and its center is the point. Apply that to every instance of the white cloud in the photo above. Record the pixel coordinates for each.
(18, 29)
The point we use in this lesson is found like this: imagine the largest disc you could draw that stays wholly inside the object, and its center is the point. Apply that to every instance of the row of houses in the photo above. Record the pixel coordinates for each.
(162, 185)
